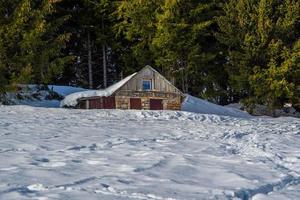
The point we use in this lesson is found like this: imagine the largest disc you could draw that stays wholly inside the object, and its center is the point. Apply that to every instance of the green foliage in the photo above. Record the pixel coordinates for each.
(25, 76)
(224, 51)
(30, 42)
(185, 45)
(137, 25)
(263, 55)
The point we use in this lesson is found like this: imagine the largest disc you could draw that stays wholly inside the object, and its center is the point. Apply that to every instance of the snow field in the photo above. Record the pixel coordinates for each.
(158, 155)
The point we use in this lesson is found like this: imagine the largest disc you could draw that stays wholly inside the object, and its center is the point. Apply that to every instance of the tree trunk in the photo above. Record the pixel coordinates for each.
(104, 67)
(182, 80)
(90, 61)
(104, 59)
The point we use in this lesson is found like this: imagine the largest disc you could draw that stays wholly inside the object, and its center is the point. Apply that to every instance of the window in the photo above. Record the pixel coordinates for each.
(147, 85)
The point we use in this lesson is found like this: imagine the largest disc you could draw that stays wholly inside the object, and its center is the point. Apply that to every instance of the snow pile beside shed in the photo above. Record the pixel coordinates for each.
(196, 105)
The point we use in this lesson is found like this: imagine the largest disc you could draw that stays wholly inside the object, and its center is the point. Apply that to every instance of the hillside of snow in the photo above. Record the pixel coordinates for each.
(52, 153)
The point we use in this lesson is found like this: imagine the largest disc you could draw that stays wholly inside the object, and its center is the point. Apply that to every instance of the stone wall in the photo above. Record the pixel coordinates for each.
(173, 105)
(123, 102)
(145, 103)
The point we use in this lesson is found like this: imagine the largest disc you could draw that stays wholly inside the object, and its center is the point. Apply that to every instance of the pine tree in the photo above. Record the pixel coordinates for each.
(92, 42)
(31, 43)
(186, 46)
(136, 29)
(261, 37)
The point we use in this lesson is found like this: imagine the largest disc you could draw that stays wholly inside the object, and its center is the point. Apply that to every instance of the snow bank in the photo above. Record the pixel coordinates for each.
(71, 100)
(65, 90)
(33, 95)
(194, 104)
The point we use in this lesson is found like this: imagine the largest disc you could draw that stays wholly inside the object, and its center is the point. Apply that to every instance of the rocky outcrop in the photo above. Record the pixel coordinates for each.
(287, 111)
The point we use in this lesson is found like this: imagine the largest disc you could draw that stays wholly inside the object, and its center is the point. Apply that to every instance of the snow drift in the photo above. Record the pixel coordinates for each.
(65, 90)
(196, 105)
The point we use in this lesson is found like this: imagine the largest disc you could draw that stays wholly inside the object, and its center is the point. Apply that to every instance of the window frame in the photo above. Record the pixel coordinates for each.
(149, 81)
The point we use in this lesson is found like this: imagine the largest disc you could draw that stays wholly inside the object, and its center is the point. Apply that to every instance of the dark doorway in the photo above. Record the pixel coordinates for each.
(83, 104)
(109, 103)
(135, 103)
(95, 103)
(156, 104)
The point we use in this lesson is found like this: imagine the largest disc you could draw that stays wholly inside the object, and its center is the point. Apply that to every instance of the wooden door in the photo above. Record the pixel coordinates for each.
(135, 103)
(109, 102)
(83, 104)
(156, 104)
(95, 103)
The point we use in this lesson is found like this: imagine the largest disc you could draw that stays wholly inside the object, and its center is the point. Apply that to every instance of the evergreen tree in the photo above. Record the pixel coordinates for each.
(30, 41)
(187, 49)
(91, 25)
(136, 29)
(262, 38)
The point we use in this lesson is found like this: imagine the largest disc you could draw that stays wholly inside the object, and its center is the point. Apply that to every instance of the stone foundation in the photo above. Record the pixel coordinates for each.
(123, 102)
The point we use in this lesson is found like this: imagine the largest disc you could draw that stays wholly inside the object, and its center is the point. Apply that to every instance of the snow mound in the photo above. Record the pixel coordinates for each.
(65, 90)
(194, 104)
(71, 100)
(32, 95)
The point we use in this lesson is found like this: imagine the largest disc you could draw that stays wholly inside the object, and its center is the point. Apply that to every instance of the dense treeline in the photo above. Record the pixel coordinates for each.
(224, 51)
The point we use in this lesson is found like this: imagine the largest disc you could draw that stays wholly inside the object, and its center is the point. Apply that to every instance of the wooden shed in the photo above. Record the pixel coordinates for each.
(146, 89)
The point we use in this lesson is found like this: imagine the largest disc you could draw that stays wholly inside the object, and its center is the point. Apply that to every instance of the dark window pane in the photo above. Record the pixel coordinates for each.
(147, 85)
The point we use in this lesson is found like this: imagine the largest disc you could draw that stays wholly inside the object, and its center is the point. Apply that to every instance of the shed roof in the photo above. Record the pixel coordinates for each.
(71, 100)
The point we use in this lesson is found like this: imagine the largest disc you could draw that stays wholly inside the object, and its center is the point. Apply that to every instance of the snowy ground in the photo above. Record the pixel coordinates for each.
(49, 153)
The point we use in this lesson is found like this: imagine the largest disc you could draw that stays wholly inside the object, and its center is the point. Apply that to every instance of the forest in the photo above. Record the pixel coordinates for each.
(224, 51)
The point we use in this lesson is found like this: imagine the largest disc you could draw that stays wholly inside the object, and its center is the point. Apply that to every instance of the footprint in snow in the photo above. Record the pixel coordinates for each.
(97, 161)
(45, 162)
(77, 148)
(36, 187)
(53, 164)
(93, 162)
(8, 169)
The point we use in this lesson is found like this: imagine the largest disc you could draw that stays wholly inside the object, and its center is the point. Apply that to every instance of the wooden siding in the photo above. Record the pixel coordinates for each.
(98, 103)
(148, 94)
(159, 83)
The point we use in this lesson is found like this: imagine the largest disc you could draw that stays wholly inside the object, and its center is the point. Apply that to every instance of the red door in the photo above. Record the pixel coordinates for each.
(95, 103)
(135, 103)
(156, 104)
(109, 103)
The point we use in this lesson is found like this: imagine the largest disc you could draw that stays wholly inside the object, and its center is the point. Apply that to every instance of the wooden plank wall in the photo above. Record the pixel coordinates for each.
(159, 83)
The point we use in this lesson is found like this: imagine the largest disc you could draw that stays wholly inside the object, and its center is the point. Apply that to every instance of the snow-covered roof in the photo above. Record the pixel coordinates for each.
(71, 100)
